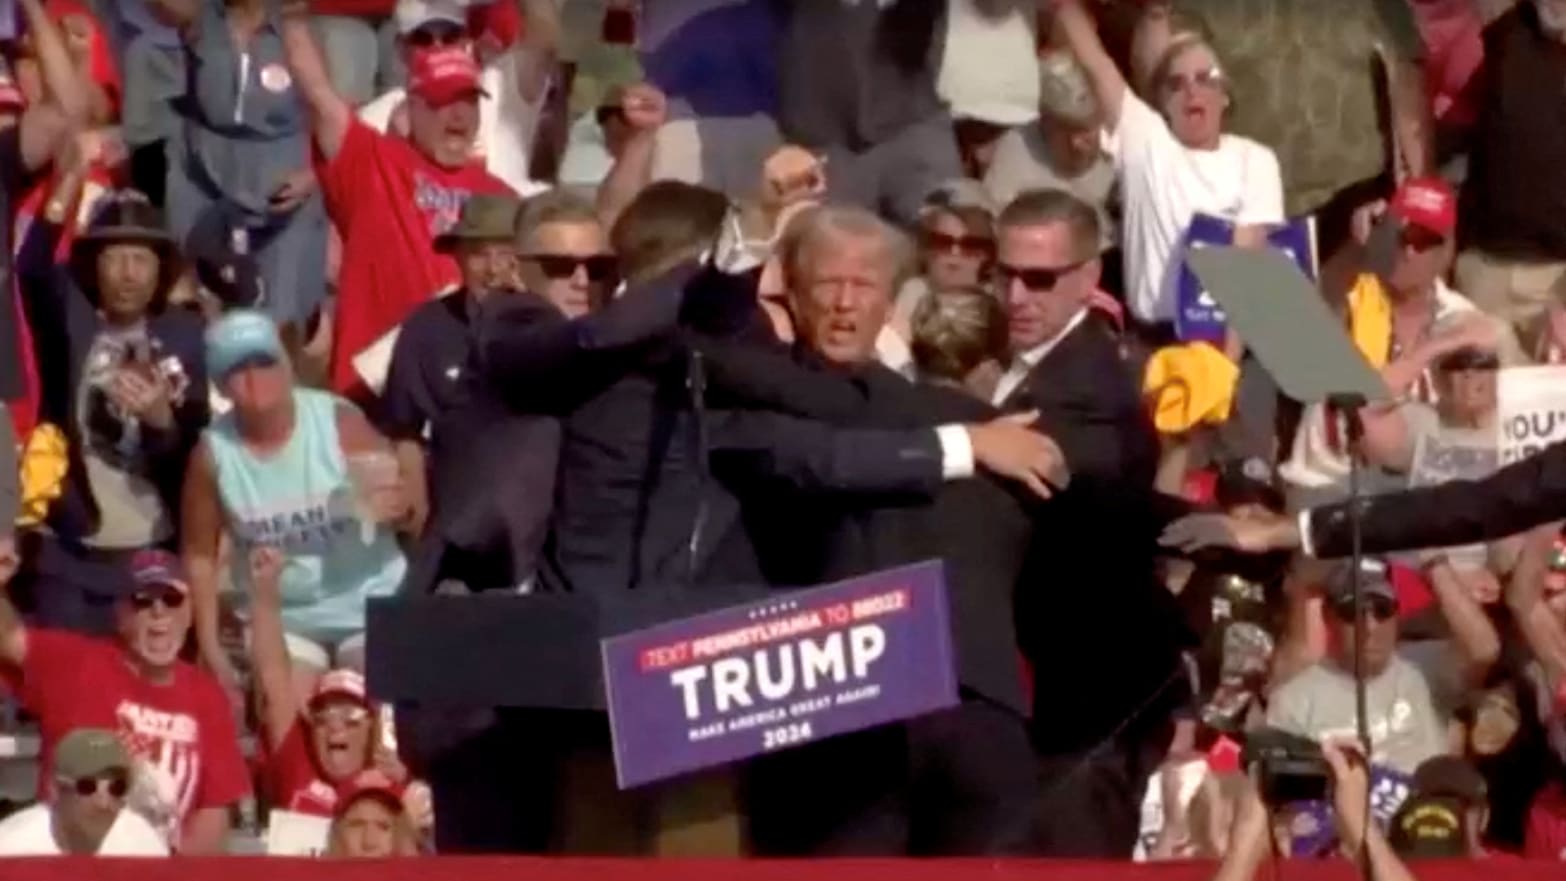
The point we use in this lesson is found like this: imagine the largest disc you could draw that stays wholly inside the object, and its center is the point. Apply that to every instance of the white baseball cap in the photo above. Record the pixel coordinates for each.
(414, 14)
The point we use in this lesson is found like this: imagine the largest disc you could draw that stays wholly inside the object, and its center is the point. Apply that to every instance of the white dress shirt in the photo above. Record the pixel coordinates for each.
(1024, 363)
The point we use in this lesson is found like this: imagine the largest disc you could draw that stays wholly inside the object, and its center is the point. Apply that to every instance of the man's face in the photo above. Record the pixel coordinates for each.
(127, 280)
(488, 265)
(153, 622)
(340, 732)
(843, 295)
(1193, 98)
(1380, 634)
(954, 257)
(260, 386)
(444, 133)
(1044, 280)
(91, 815)
(368, 830)
(1422, 257)
(1077, 142)
(558, 261)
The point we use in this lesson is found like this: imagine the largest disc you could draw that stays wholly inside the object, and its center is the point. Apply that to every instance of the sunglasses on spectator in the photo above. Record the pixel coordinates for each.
(1035, 278)
(87, 787)
(1380, 608)
(599, 267)
(609, 112)
(1210, 79)
(443, 34)
(342, 715)
(972, 246)
(143, 600)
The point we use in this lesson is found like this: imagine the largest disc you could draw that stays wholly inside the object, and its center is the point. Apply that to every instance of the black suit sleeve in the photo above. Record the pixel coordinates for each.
(524, 339)
(1519, 496)
(815, 457)
(744, 374)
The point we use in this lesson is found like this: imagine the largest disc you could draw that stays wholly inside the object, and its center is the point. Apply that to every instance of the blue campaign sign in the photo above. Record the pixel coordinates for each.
(727, 685)
(1197, 315)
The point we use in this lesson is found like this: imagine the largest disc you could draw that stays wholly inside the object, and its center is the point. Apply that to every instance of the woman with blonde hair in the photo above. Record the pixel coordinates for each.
(959, 338)
(1173, 159)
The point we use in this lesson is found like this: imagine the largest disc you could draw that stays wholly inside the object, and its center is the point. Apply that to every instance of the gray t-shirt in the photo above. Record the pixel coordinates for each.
(1022, 163)
(1405, 727)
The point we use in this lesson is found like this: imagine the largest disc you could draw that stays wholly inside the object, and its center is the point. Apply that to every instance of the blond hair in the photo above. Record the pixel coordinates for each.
(956, 331)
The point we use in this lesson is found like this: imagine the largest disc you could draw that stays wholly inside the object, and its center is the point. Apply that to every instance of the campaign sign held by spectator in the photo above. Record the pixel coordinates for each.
(1532, 410)
(1456, 454)
(1197, 315)
(751, 679)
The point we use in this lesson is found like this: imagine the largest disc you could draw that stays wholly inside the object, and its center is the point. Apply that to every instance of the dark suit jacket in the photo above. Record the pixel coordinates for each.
(1102, 633)
(635, 506)
(1519, 496)
(979, 528)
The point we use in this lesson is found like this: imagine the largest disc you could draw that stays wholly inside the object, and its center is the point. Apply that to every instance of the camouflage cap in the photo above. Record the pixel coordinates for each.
(485, 217)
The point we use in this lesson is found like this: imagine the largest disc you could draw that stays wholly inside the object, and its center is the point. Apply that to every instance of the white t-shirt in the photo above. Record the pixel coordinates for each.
(29, 833)
(1164, 183)
(507, 122)
(990, 67)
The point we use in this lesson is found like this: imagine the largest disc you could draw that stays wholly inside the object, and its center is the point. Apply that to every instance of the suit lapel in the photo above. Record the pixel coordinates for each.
(1049, 364)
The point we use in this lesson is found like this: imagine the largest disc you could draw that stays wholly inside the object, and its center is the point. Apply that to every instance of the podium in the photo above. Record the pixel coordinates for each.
(540, 654)
(494, 649)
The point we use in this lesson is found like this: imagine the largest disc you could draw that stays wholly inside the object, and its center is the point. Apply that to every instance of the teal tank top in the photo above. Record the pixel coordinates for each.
(301, 500)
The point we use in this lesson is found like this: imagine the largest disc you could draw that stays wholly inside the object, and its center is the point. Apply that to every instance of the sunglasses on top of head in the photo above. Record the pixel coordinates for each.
(1035, 278)
(599, 267)
(1379, 608)
(972, 246)
(171, 598)
(86, 787)
(437, 34)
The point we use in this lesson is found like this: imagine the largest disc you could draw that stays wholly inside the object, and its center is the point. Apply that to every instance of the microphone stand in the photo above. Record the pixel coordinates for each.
(1349, 404)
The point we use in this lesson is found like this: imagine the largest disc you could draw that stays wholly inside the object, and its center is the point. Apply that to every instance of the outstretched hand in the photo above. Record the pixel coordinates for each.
(1201, 531)
(1011, 447)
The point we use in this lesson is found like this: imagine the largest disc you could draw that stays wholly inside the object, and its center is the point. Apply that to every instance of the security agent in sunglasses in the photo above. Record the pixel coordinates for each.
(88, 815)
(183, 763)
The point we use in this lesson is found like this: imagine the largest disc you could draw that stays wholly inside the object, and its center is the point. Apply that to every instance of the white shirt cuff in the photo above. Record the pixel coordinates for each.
(1302, 525)
(956, 452)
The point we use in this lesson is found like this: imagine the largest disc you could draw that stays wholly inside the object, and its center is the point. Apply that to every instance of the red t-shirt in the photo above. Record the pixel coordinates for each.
(1545, 837)
(389, 202)
(293, 780)
(1453, 34)
(182, 733)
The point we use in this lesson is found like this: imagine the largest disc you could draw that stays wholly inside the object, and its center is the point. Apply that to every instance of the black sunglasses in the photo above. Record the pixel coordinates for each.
(599, 267)
(441, 34)
(609, 112)
(86, 787)
(973, 246)
(143, 600)
(1035, 278)
(1380, 608)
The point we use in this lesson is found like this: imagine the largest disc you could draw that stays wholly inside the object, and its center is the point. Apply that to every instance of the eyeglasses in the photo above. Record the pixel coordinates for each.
(87, 787)
(972, 246)
(143, 600)
(599, 267)
(1380, 608)
(437, 34)
(1210, 79)
(341, 715)
(1035, 278)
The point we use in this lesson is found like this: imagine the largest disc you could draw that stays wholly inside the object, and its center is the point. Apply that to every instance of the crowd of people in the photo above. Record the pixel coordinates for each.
(315, 303)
